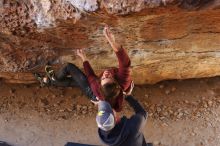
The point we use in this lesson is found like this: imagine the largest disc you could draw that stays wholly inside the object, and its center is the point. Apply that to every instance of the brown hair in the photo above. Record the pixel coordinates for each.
(110, 90)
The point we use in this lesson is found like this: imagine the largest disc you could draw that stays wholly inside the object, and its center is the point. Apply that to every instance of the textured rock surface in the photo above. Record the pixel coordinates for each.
(166, 39)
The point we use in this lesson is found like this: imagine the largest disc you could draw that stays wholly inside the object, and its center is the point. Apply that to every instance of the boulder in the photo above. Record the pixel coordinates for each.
(165, 39)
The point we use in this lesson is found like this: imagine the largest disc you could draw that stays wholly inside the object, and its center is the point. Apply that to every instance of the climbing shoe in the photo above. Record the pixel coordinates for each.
(41, 80)
(50, 72)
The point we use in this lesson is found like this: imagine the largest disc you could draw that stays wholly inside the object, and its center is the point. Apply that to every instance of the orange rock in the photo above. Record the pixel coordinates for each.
(163, 42)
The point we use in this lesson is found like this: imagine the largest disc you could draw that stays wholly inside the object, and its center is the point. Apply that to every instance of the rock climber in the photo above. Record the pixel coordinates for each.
(113, 83)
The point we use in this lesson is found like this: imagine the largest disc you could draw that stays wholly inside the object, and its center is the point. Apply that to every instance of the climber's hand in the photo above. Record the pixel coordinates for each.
(81, 54)
(111, 39)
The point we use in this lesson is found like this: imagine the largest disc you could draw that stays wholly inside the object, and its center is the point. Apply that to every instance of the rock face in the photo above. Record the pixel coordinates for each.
(166, 39)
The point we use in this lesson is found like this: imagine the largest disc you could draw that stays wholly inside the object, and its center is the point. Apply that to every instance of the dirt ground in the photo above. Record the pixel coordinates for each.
(181, 113)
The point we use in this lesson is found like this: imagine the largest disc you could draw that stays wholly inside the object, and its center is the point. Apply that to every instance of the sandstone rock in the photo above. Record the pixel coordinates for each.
(84, 107)
(44, 102)
(170, 111)
(193, 133)
(167, 91)
(90, 109)
(210, 103)
(78, 107)
(186, 101)
(84, 112)
(203, 98)
(205, 105)
(26, 86)
(69, 109)
(165, 125)
(161, 86)
(175, 113)
(165, 113)
(156, 143)
(12, 91)
(161, 118)
(150, 114)
(186, 112)
(198, 114)
(154, 38)
(61, 110)
(146, 95)
(173, 89)
(159, 109)
(180, 115)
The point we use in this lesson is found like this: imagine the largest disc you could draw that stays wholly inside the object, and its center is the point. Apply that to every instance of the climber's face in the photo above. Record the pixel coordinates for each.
(107, 77)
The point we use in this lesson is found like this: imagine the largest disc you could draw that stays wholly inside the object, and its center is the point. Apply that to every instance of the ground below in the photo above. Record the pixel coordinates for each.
(180, 113)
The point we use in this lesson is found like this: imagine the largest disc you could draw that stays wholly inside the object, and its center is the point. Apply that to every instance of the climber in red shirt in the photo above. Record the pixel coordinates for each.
(113, 83)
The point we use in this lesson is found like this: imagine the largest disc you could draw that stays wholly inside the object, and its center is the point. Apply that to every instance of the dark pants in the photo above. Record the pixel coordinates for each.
(71, 76)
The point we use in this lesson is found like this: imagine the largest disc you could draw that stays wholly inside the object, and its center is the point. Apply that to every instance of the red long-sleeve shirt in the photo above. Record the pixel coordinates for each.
(121, 74)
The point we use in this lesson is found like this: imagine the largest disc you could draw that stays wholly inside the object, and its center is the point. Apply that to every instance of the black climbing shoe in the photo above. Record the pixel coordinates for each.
(40, 79)
(50, 72)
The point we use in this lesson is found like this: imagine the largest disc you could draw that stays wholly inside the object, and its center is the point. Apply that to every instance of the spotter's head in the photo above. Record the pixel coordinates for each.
(105, 117)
